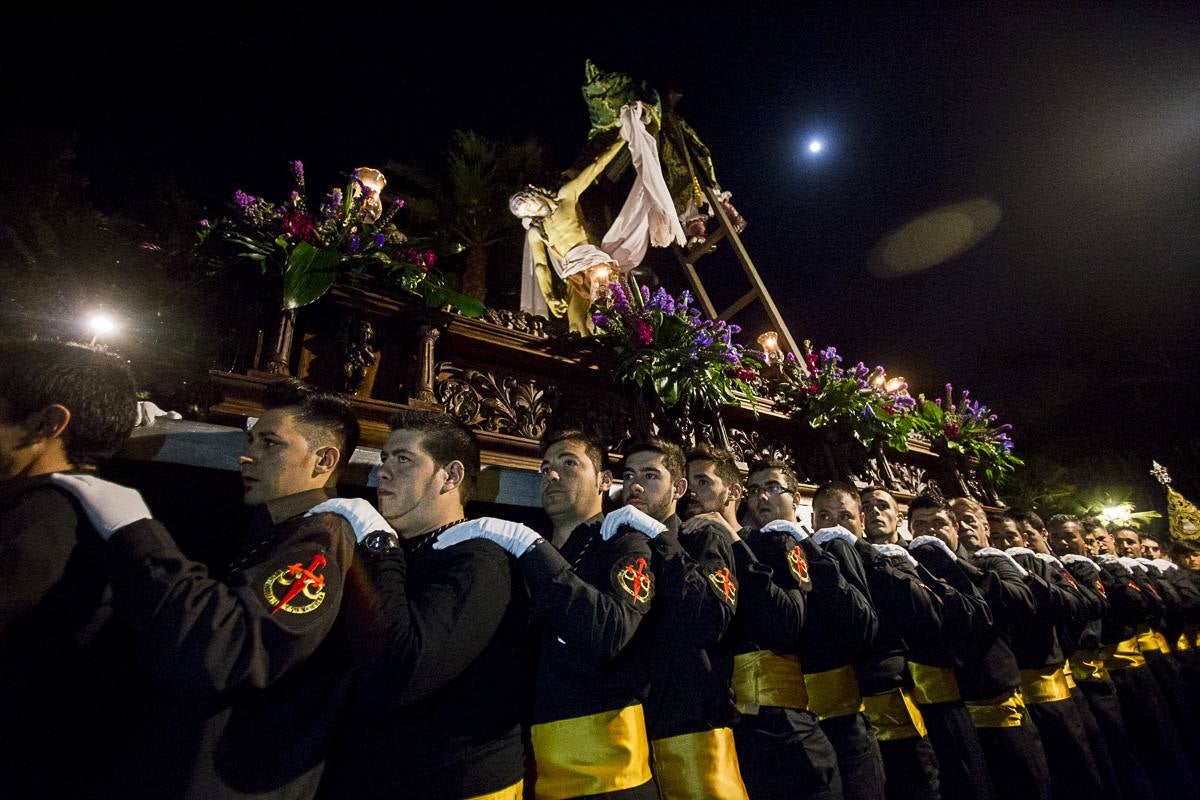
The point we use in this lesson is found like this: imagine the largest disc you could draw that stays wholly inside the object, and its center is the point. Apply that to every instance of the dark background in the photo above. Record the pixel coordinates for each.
(1075, 319)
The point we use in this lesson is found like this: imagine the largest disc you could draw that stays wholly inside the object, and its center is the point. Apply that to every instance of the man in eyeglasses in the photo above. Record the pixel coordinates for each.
(778, 726)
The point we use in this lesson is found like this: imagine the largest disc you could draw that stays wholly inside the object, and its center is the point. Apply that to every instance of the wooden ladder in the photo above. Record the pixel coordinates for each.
(758, 290)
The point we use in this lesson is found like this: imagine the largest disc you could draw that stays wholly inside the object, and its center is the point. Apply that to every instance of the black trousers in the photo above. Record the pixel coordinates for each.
(1073, 770)
(911, 769)
(1016, 762)
(1132, 778)
(962, 768)
(784, 754)
(1105, 771)
(1170, 679)
(859, 760)
(1153, 731)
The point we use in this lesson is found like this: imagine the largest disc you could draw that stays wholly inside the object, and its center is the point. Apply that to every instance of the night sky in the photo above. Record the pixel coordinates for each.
(1076, 318)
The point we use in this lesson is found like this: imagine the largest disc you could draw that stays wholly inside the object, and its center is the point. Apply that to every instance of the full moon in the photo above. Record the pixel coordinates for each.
(815, 146)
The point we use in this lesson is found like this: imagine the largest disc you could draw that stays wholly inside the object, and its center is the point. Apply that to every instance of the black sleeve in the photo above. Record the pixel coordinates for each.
(699, 593)
(1004, 589)
(597, 620)
(199, 635)
(896, 585)
(1087, 581)
(413, 637)
(773, 615)
(1056, 598)
(846, 611)
(1124, 596)
(37, 535)
(965, 612)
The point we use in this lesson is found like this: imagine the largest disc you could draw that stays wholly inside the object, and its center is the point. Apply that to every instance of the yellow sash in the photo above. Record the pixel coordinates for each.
(834, 692)
(1147, 639)
(894, 715)
(698, 766)
(765, 678)
(1088, 665)
(933, 684)
(514, 792)
(1163, 645)
(1126, 655)
(1005, 711)
(1183, 643)
(1066, 669)
(598, 753)
(1044, 685)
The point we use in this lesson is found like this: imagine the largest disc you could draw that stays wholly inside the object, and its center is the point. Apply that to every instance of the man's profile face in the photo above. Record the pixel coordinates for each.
(706, 492)
(1006, 534)
(1033, 536)
(1128, 543)
(838, 508)
(1190, 561)
(1104, 543)
(647, 485)
(1089, 542)
(881, 516)
(409, 481)
(973, 527)
(764, 500)
(570, 483)
(1067, 537)
(278, 460)
(1151, 548)
(935, 522)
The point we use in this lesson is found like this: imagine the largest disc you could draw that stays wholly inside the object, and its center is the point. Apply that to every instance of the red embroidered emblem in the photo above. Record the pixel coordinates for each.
(1100, 589)
(798, 564)
(635, 580)
(722, 581)
(1070, 580)
(299, 580)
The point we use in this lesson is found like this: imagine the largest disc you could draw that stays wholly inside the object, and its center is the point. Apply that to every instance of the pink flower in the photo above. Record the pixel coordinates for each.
(643, 332)
(951, 429)
(746, 373)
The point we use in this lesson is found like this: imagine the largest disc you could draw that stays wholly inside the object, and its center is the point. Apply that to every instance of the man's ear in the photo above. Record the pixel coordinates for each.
(737, 492)
(455, 472)
(606, 480)
(328, 458)
(680, 488)
(51, 422)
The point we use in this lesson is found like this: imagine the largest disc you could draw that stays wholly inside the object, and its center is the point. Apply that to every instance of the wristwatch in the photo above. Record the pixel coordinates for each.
(380, 541)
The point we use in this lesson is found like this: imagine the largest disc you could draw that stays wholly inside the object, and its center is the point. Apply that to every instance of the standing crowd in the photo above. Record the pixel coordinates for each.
(687, 636)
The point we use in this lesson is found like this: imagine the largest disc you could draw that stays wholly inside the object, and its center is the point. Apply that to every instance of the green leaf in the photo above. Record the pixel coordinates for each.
(309, 273)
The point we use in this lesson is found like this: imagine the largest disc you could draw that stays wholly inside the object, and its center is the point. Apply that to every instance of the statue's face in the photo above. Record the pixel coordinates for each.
(527, 205)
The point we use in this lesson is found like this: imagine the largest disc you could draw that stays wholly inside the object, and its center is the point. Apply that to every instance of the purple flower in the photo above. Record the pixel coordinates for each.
(685, 298)
(734, 329)
(731, 355)
(620, 301)
(430, 258)
(353, 243)
(205, 224)
(399, 202)
(790, 357)
(662, 301)
(868, 413)
(645, 294)
(379, 239)
(830, 355)
(297, 168)
(242, 199)
(703, 338)
(599, 320)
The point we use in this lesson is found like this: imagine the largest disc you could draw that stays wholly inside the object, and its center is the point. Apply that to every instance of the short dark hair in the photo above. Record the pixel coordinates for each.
(929, 501)
(95, 387)
(775, 463)
(445, 439)
(314, 408)
(998, 518)
(1061, 519)
(1117, 529)
(672, 455)
(595, 451)
(837, 487)
(1030, 517)
(723, 461)
(862, 495)
(1181, 549)
(1093, 524)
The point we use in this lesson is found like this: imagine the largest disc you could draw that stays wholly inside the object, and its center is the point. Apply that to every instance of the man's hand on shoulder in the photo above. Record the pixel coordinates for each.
(109, 506)
(697, 522)
(630, 517)
(514, 537)
(361, 515)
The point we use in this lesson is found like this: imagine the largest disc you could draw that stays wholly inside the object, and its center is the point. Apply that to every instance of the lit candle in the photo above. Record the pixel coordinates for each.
(895, 384)
(374, 180)
(599, 276)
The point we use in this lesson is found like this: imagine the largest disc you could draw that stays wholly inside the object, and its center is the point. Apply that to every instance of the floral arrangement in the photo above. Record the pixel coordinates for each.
(863, 402)
(350, 231)
(968, 428)
(663, 344)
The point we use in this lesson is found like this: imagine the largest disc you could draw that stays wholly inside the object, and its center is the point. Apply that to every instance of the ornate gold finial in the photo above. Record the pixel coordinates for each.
(1160, 473)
